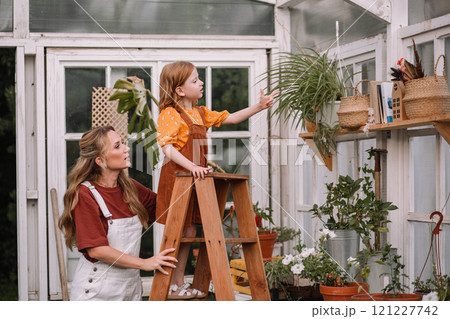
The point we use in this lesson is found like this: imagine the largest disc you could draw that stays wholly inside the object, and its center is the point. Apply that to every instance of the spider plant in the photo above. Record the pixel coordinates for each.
(309, 85)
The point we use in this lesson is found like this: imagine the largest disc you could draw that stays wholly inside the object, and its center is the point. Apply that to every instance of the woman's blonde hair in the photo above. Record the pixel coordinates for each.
(92, 145)
(173, 75)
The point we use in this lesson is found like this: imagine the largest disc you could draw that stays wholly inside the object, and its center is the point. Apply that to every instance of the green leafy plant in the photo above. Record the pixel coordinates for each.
(278, 275)
(131, 93)
(316, 265)
(342, 208)
(440, 284)
(376, 211)
(396, 273)
(352, 204)
(309, 83)
(263, 214)
(285, 233)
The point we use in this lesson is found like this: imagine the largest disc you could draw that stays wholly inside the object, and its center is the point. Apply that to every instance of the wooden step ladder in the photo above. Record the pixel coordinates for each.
(212, 195)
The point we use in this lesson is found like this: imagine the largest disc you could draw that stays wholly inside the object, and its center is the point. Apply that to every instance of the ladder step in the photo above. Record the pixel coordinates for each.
(242, 240)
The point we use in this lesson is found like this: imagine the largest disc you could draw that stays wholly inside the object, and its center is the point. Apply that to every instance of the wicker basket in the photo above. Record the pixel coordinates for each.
(354, 110)
(427, 96)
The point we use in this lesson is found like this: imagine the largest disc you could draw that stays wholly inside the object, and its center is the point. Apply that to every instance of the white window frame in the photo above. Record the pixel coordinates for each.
(355, 54)
(58, 59)
(433, 30)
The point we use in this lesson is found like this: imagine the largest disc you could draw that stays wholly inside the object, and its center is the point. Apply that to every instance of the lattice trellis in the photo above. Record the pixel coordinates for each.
(104, 112)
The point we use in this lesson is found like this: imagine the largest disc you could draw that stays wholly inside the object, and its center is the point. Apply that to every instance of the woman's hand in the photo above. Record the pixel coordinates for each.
(160, 260)
(200, 171)
(266, 101)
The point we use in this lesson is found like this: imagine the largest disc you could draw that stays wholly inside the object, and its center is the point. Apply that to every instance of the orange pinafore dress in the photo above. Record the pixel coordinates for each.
(195, 150)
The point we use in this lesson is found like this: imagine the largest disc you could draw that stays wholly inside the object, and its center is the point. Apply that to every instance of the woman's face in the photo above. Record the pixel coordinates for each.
(193, 87)
(116, 153)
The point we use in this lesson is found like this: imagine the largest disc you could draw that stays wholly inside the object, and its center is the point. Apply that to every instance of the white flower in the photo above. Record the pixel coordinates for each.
(287, 259)
(352, 261)
(432, 296)
(330, 233)
(306, 252)
(297, 268)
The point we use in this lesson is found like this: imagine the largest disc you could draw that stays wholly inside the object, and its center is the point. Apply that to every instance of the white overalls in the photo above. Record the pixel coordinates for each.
(101, 281)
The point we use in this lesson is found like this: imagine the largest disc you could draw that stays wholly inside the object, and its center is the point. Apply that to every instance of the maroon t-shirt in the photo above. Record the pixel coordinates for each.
(90, 224)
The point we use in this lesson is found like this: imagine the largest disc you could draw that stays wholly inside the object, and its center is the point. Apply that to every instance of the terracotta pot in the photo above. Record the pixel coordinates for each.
(267, 241)
(195, 252)
(399, 297)
(362, 297)
(304, 293)
(310, 126)
(342, 293)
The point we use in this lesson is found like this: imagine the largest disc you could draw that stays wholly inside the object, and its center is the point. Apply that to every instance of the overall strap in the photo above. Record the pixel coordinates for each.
(202, 114)
(99, 199)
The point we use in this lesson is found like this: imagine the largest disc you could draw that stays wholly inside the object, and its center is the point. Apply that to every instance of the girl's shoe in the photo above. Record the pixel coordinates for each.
(181, 293)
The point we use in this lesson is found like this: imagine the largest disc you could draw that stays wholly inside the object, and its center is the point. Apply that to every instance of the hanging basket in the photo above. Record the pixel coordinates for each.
(427, 96)
(354, 110)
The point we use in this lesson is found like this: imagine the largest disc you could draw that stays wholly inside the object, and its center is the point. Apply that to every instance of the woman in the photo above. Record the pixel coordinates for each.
(104, 212)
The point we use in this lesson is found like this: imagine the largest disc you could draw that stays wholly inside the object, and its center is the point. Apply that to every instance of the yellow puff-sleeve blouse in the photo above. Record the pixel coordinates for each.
(172, 129)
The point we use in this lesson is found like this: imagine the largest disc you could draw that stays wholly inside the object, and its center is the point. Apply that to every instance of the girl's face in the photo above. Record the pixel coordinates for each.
(192, 89)
(116, 153)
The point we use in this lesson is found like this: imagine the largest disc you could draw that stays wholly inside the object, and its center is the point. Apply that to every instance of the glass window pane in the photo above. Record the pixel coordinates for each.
(307, 171)
(422, 239)
(421, 10)
(313, 24)
(140, 169)
(368, 73)
(79, 83)
(202, 77)
(72, 153)
(207, 17)
(6, 15)
(424, 173)
(445, 233)
(230, 92)
(345, 72)
(231, 154)
(346, 158)
(363, 147)
(426, 54)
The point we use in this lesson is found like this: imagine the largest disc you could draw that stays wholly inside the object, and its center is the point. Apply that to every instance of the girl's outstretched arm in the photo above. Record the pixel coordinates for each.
(265, 102)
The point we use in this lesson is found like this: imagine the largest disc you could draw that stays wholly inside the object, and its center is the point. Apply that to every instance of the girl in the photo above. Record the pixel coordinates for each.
(182, 130)
(104, 211)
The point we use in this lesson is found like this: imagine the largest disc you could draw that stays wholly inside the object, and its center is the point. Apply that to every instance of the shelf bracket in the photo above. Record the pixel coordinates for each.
(328, 160)
(444, 130)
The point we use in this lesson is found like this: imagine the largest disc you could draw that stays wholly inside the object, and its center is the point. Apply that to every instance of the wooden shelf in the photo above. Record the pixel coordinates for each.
(440, 122)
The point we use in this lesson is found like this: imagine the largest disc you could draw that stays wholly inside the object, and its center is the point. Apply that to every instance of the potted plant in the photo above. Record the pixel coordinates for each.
(284, 234)
(341, 213)
(395, 290)
(317, 265)
(266, 234)
(309, 85)
(372, 224)
(284, 285)
(434, 289)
